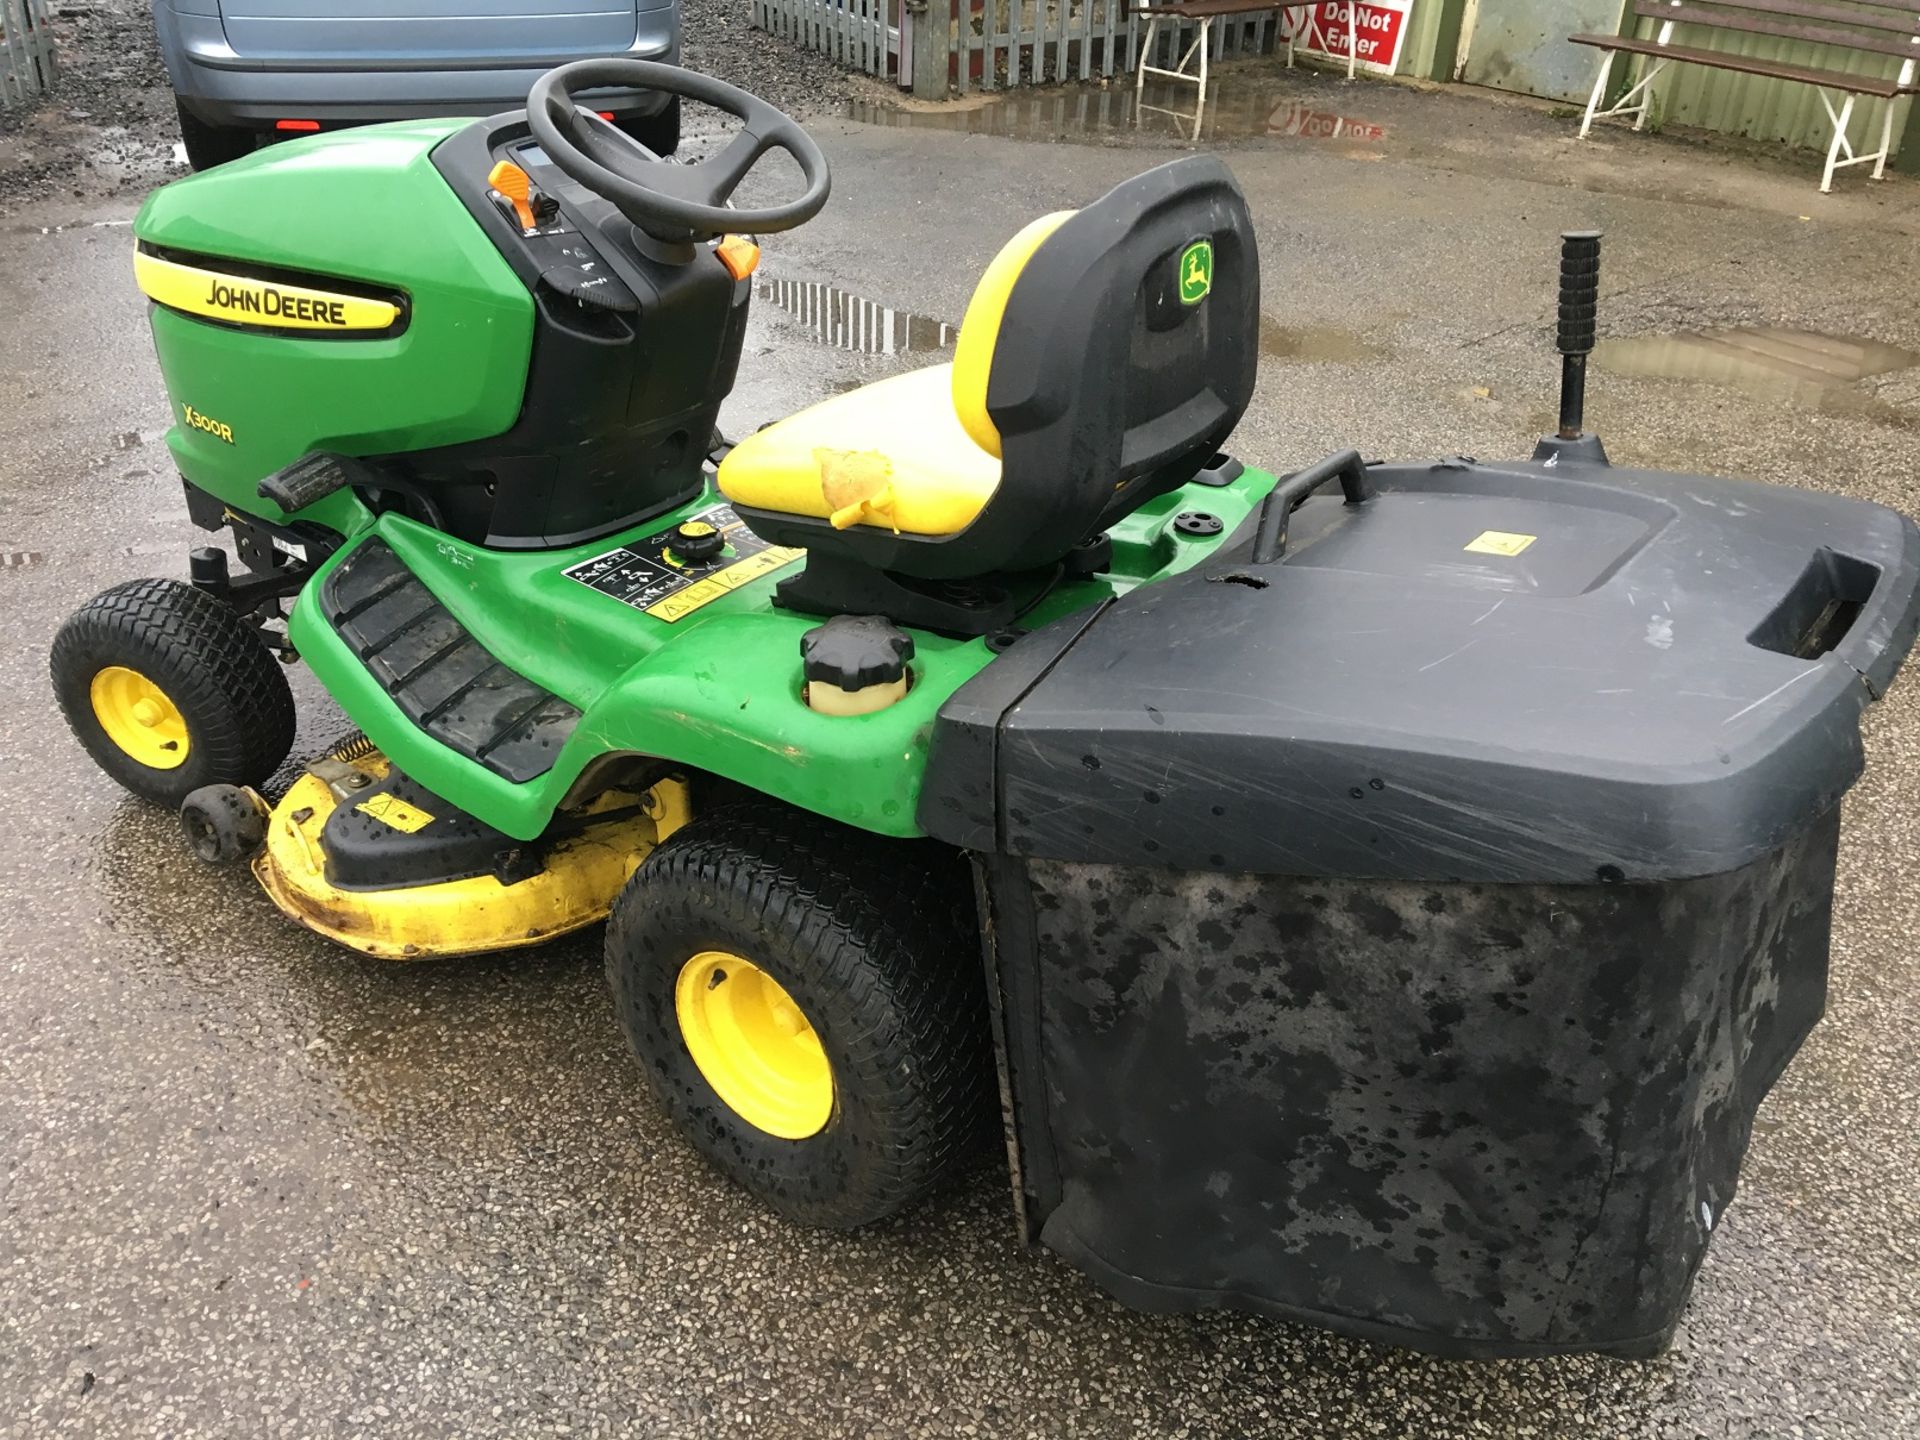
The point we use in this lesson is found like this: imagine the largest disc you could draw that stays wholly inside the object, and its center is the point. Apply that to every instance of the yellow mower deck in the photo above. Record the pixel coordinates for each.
(575, 888)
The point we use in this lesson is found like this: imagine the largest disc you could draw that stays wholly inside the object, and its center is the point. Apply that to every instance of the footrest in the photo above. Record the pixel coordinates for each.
(441, 677)
(312, 478)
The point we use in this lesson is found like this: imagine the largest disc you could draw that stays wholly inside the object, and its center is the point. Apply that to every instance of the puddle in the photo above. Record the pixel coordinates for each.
(844, 321)
(1315, 344)
(1800, 367)
(1238, 107)
(64, 229)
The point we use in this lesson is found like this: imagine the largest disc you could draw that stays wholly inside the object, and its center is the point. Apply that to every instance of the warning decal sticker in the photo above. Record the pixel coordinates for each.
(1499, 542)
(649, 576)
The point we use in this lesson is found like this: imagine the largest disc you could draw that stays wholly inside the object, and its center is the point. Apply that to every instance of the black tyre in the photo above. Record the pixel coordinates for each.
(754, 928)
(168, 690)
(659, 133)
(211, 145)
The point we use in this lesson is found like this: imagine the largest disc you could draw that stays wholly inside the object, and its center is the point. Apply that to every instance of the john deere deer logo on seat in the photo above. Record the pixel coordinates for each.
(1196, 272)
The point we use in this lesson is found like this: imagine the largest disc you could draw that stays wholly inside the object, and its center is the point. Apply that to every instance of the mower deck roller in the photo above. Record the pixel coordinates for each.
(1394, 903)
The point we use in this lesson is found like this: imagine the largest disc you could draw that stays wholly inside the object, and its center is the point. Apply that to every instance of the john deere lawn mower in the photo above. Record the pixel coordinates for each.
(1378, 896)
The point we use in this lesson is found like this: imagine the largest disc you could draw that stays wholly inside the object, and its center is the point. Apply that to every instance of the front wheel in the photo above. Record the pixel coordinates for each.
(169, 690)
(809, 1007)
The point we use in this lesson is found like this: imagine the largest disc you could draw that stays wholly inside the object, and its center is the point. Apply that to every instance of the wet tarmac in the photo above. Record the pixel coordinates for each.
(253, 1186)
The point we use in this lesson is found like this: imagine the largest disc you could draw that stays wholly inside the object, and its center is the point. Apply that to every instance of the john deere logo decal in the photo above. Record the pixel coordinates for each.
(1196, 272)
(240, 300)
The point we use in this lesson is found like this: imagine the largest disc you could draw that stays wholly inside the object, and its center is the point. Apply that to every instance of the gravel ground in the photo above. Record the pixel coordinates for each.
(108, 127)
(718, 40)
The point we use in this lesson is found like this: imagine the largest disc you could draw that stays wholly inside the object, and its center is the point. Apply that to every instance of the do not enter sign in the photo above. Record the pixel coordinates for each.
(1379, 28)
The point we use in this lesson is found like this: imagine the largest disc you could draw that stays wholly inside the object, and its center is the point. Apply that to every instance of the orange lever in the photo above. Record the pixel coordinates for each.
(511, 181)
(739, 254)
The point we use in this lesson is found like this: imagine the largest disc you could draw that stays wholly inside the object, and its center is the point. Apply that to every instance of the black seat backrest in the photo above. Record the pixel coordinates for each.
(1112, 384)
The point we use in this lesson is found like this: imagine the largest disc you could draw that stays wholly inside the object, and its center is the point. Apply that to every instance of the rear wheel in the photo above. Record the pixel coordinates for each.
(211, 145)
(807, 1002)
(169, 690)
(659, 133)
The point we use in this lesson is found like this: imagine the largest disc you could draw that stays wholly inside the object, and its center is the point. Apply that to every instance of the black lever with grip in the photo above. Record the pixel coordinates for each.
(312, 478)
(1579, 304)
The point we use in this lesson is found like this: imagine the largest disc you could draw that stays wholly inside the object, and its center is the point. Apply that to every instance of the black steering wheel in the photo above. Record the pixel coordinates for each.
(663, 198)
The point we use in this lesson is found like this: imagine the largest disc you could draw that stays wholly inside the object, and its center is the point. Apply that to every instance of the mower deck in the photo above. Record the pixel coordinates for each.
(361, 855)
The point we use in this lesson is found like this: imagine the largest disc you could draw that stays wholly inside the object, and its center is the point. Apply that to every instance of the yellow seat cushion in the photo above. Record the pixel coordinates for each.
(892, 454)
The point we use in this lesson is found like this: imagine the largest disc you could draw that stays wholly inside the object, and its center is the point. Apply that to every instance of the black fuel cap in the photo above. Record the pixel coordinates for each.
(696, 540)
(852, 652)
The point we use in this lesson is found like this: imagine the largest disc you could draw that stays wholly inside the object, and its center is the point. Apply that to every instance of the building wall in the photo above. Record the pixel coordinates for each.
(1425, 28)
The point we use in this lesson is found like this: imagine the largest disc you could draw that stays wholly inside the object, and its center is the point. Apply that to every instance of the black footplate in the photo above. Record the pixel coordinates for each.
(397, 834)
(312, 478)
(443, 679)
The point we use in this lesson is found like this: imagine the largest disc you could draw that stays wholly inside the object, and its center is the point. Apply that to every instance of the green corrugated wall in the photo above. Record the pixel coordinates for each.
(1761, 108)
(1425, 26)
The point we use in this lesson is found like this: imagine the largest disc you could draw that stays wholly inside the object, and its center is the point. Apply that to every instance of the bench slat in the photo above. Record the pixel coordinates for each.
(1779, 19)
(1901, 19)
(1882, 14)
(1885, 89)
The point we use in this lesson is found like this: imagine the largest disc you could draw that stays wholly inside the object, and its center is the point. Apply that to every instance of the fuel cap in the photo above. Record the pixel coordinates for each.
(696, 540)
(851, 652)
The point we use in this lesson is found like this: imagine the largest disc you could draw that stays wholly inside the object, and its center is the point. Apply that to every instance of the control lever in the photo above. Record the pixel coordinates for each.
(1579, 307)
(311, 479)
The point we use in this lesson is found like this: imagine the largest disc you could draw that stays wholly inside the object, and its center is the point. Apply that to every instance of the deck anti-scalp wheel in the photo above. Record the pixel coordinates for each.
(169, 690)
(808, 1004)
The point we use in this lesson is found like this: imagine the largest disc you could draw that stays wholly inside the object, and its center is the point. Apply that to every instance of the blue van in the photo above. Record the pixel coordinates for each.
(243, 69)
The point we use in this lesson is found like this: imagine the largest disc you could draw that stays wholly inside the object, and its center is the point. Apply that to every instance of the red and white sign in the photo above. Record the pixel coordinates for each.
(1379, 28)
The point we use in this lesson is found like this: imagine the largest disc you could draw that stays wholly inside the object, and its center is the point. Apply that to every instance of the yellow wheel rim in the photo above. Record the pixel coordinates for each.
(140, 717)
(753, 1045)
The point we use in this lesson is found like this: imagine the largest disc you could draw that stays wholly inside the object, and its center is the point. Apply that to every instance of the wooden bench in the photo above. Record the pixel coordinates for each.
(1879, 27)
(1206, 12)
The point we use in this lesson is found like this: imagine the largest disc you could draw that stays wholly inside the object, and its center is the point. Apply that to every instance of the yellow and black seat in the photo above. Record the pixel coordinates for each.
(1105, 357)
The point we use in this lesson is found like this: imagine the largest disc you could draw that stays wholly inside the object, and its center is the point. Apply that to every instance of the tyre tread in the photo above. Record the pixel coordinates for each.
(215, 666)
(873, 915)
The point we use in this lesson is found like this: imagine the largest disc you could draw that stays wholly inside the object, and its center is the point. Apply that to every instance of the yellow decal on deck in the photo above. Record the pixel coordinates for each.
(1499, 542)
(241, 301)
(392, 810)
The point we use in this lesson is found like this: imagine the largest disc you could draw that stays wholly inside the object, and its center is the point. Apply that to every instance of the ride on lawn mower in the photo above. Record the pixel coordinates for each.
(1382, 907)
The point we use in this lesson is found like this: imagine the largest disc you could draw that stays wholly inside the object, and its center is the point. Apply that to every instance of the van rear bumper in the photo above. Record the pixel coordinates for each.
(223, 87)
